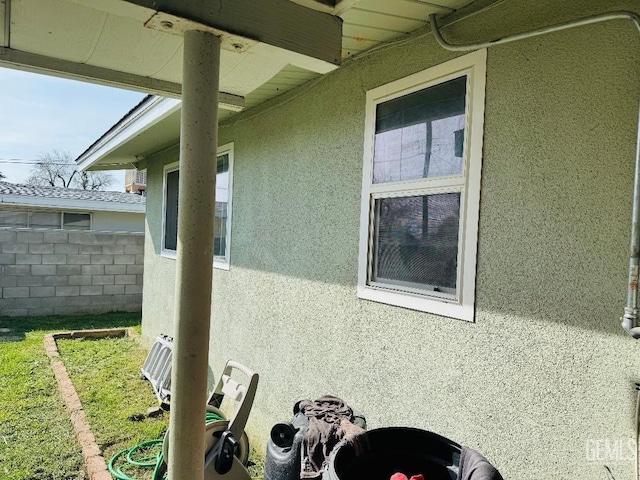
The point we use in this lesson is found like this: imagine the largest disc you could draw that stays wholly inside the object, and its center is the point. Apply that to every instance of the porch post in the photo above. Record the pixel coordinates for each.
(198, 144)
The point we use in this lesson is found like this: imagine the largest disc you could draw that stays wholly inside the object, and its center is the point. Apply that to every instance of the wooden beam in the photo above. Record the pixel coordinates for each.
(279, 23)
(30, 62)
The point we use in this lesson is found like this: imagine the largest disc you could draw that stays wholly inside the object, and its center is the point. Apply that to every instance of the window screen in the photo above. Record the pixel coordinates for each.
(171, 211)
(14, 219)
(45, 220)
(416, 241)
(77, 221)
(222, 201)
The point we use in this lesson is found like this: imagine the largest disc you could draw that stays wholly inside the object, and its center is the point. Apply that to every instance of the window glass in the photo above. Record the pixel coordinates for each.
(222, 201)
(416, 241)
(14, 219)
(421, 135)
(45, 220)
(171, 211)
(77, 221)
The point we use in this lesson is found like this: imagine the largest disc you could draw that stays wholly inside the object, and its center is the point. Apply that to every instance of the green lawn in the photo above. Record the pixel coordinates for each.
(36, 438)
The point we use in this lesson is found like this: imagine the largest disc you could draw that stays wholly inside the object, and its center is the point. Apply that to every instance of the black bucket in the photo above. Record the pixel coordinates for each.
(397, 449)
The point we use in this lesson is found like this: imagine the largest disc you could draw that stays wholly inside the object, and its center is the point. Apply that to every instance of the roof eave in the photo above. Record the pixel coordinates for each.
(65, 203)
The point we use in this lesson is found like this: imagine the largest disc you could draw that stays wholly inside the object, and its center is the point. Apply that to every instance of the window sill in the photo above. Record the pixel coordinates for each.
(418, 302)
(216, 263)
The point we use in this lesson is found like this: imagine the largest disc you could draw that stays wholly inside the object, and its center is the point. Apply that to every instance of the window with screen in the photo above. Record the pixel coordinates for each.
(222, 220)
(421, 189)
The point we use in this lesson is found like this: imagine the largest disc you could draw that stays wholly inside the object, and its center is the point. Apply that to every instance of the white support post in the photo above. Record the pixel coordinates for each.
(199, 141)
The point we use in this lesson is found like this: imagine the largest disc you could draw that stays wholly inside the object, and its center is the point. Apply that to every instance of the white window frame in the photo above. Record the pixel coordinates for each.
(462, 304)
(220, 262)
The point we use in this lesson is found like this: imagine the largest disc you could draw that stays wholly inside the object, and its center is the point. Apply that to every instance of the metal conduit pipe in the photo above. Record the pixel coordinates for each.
(631, 317)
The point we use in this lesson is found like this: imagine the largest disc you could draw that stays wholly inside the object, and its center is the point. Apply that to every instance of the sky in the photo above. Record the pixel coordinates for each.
(39, 113)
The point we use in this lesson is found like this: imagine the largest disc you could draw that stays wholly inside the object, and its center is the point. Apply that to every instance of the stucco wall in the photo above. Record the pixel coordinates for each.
(545, 369)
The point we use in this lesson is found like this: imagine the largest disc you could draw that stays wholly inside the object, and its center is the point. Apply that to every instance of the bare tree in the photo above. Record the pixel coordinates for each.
(57, 169)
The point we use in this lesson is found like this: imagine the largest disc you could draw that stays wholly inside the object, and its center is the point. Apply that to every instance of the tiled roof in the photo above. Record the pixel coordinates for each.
(70, 194)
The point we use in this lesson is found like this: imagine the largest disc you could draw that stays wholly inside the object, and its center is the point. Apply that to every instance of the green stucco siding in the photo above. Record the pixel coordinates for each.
(546, 367)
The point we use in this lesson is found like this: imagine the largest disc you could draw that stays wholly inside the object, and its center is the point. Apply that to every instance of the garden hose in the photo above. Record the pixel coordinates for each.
(146, 460)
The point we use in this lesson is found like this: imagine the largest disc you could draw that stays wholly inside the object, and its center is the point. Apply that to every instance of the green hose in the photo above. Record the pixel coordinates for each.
(148, 460)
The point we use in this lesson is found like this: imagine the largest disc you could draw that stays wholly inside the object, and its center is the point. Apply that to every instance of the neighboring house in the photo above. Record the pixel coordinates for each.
(65, 251)
(135, 181)
(439, 238)
(26, 206)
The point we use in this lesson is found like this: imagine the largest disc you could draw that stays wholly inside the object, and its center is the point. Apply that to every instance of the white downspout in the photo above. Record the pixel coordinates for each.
(196, 210)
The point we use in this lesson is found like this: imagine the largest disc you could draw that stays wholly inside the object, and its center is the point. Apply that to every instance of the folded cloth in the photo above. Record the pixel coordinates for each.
(473, 466)
(329, 424)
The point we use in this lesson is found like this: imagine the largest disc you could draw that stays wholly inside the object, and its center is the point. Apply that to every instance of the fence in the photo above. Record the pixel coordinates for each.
(57, 272)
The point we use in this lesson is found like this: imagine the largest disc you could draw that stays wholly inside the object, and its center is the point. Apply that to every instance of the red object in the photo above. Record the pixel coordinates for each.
(416, 477)
(399, 476)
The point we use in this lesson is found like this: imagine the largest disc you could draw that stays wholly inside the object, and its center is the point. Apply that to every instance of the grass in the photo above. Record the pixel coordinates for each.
(36, 438)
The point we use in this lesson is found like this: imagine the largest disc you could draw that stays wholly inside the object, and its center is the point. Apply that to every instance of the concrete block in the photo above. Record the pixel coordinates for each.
(29, 302)
(69, 270)
(55, 259)
(56, 280)
(91, 290)
(93, 269)
(126, 239)
(113, 249)
(15, 247)
(8, 281)
(115, 269)
(81, 238)
(29, 237)
(40, 311)
(78, 259)
(133, 289)
(7, 258)
(7, 236)
(90, 249)
(125, 280)
(41, 248)
(114, 289)
(104, 239)
(30, 281)
(55, 237)
(68, 291)
(19, 312)
(139, 279)
(17, 270)
(102, 259)
(42, 269)
(134, 249)
(28, 259)
(139, 259)
(66, 248)
(103, 280)
(124, 259)
(80, 280)
(135, 269)
(42, 291)
(15, 292)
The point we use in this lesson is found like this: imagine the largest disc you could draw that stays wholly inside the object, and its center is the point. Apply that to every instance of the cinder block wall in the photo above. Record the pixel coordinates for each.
(58, 272)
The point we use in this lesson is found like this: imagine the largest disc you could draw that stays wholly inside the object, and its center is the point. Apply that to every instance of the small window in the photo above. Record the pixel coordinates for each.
(421, 189)
(14, 219)
(222, 220)
(45, 220)
(76, 221)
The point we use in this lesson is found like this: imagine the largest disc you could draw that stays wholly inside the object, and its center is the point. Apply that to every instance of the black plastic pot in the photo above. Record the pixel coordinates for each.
(397, 449)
